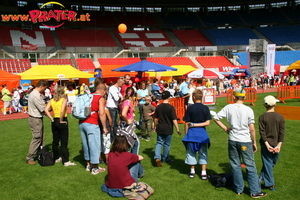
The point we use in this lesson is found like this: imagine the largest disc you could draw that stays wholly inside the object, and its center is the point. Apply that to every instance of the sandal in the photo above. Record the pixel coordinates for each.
(191, 175)
(203, 176)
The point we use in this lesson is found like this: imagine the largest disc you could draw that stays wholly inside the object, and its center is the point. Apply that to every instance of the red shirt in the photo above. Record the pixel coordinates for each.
(123, 88)
(118, 172)
(153, 103)
(94, 118)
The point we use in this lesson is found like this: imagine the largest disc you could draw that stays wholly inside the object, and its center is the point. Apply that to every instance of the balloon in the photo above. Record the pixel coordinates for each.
(122, 28)
(137, 80)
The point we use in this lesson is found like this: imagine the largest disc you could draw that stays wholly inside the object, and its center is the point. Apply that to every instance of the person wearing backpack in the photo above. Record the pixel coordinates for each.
(90, 131)
(59, 126)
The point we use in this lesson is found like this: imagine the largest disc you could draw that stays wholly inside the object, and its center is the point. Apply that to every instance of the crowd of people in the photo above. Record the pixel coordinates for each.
(109, 136)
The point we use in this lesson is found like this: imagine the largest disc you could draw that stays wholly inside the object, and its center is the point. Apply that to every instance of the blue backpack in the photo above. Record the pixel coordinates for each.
(81, 108)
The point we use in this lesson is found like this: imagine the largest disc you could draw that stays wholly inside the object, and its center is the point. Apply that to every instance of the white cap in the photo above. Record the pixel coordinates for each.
(270, 100)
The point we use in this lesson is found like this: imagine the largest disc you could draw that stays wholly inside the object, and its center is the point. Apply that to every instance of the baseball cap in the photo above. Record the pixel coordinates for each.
(165, 95)
(239, 92)
(270, 100)
(30, 86)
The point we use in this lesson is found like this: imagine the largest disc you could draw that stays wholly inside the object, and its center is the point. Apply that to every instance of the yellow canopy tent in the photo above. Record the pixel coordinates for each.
(181, 69)
(295, 65)
(53, 72)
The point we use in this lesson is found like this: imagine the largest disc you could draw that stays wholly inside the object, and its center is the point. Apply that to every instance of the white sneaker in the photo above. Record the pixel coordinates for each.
(88, 168)
(98, 170)
(58, 160)
(69, 163)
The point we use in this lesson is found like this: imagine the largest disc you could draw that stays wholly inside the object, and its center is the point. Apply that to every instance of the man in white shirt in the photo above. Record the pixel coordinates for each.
(114, 96)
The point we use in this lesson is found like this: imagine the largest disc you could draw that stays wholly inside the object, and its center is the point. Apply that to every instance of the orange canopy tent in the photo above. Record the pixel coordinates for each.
(110, 75)
(11, 80)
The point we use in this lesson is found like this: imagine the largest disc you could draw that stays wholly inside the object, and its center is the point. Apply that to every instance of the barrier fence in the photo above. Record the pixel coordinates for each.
(289, 112)
(288, 92)
(251, 96)
(178, 103)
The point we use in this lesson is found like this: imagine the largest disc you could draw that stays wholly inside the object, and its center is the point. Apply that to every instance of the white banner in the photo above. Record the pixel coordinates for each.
(271, 59)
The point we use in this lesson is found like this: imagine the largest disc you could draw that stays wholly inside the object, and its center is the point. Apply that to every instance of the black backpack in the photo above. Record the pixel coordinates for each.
(221, 180)
(45, 157)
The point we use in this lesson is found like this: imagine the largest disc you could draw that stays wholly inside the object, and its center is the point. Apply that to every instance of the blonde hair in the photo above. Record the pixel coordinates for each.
(59, 93)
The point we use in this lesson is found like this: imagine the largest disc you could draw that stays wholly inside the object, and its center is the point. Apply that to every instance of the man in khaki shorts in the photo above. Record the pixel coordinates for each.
(36, 107)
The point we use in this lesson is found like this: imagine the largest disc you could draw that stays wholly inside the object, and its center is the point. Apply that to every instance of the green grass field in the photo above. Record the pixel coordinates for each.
(19, 180)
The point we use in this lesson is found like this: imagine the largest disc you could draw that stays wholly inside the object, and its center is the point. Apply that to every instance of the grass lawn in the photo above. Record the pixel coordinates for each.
(19, 180)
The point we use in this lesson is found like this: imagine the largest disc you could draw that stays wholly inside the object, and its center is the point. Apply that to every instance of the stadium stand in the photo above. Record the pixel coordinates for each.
(135, 19)
(263, 16)
(118, 61)
(239, 36)
(192, 38)
(242, 58)
(85, 38)
(292, 14)
(169, 61)
(281, 57)
(221, 19)
(15, 65)
(98, 19)
(179, 19)
(85, 64)
(15, 36)
(213, 61)
(281, 35)
(55, 62)
(144, 39)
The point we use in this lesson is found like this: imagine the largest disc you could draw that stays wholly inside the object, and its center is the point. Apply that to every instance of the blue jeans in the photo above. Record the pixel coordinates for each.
(136, 147)
(269, 160)
(162, 141)
(244, 151)
(91, 140)
(114, 113)
(141, 115)
(136, 171)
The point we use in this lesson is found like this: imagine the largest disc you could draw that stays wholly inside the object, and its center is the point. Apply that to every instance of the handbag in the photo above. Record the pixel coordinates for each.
(45, 157)
(128, 131)
(138, 191)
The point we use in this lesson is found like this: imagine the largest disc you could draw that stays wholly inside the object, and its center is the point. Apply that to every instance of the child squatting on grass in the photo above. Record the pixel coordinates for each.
(197, 117)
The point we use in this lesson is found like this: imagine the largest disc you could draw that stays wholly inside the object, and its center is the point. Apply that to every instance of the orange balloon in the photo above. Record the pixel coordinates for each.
(122, 28)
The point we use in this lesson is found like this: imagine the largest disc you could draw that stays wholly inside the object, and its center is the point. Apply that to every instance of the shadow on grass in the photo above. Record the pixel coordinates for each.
(79, 158)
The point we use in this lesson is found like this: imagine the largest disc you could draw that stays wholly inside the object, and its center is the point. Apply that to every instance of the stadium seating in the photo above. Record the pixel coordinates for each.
(55, 62)
(192, 38)
(118, 61)
(135, 18)
(85, 38)
(242, 58)
(220, 18)
(292, 14)
(281, 35)
(213, 61)
(99, 19)
(85, 64)
(169, 61)
(180, 19)
(283, 58)
(224, 37)
(263, 16)
(14, 65)
(15, 36)
(144, 39)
